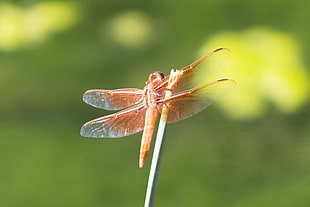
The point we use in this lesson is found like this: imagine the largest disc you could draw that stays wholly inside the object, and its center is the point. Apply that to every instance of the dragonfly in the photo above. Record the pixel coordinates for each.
(190, 94)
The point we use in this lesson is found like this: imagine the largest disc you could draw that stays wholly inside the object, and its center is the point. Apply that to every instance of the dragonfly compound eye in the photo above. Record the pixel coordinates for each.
(156, 76)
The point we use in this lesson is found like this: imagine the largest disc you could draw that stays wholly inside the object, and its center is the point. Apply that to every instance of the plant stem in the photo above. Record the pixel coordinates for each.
(155, 166)
(158, 149)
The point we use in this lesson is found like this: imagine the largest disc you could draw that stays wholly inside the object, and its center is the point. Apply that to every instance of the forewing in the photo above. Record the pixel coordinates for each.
(113, 99)
(184, 104)
(120, 124)
(202, 70)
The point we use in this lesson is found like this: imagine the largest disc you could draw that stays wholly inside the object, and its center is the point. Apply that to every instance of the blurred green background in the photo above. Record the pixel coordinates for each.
(251, 149)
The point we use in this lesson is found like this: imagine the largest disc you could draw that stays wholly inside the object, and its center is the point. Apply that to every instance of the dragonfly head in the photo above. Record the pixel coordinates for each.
(156, 76)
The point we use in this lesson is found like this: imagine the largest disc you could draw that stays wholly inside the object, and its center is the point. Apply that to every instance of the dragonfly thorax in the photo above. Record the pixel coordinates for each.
(150, 94)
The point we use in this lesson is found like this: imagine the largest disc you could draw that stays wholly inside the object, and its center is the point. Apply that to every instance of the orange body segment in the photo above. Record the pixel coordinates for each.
(150, 121)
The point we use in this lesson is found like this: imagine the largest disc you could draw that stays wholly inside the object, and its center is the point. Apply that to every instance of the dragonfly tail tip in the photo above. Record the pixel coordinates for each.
(141, 163)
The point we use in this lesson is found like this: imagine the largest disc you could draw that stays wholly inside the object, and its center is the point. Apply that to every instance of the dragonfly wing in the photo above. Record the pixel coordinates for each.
(113, 99)
(184, 104)
(202, 70)
(122, 123)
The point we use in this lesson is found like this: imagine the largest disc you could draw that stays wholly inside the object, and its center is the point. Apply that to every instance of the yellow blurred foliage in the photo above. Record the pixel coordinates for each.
(24, 26)
(268, 69)
(131, 29)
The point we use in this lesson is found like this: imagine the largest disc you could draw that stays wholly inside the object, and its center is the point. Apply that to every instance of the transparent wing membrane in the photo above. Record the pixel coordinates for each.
(184, 104)
(122, 123)
(202, 70)
(113, 99)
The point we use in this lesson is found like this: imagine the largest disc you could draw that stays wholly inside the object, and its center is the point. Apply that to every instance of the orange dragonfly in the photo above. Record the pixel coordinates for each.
(142, 106)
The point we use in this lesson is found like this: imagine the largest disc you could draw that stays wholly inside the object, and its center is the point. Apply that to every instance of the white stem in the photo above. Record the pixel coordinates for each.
(154, 171)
